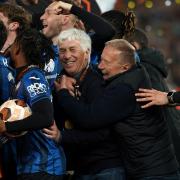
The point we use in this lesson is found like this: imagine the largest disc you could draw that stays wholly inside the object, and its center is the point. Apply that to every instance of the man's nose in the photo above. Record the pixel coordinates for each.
(67, 54)
(100, 65)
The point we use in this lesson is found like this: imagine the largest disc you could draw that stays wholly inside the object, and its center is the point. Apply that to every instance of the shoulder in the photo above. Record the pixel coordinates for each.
(121, 87)
(35, 85)
(34, 71)
(34, 75)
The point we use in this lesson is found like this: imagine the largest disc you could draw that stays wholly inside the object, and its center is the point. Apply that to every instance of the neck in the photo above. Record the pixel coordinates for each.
(18, 65)
(20, 61)
(80, 75)
(9, 41)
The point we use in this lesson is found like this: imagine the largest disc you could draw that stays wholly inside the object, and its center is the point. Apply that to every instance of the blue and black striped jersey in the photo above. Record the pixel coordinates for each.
(36, 152)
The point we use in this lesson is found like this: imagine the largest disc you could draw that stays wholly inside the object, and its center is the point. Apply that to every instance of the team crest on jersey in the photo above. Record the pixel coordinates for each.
(5, 62)
(50, 66)
(36, 89)
(10, 77)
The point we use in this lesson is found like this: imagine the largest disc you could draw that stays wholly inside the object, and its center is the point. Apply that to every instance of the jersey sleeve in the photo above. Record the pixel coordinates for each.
(34, 87)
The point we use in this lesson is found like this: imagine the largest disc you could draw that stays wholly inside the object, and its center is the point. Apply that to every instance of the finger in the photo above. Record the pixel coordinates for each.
(58, 10)
(47, 131)
(143, 94)
(71, 93)
(144, 99)
(48, 136)
(146, 90)
(148, 105)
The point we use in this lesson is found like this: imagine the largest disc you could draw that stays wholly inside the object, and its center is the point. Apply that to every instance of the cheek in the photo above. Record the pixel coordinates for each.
(60, 57)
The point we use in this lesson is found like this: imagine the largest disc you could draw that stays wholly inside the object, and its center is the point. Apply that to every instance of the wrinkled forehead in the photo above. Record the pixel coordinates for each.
(50, 11)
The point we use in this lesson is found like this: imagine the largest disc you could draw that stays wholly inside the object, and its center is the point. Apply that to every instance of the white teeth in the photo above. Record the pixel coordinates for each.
(69, 62)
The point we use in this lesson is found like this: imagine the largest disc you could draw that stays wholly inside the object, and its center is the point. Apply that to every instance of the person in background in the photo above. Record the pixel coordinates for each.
(16, 20)
(3, 34)
(4, 88)
(69, 16)
(124, 23)
(6, 72)
(154, 62)
(34, 7)
(152, 59)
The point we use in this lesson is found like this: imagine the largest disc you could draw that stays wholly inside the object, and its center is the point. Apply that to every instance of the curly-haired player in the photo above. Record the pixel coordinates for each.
(37, 156)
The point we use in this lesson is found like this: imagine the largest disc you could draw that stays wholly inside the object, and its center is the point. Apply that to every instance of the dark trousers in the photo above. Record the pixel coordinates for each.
(107, 174)
(39, 176)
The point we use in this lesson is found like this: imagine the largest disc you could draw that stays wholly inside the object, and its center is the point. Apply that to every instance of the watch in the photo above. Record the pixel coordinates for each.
(170, 97)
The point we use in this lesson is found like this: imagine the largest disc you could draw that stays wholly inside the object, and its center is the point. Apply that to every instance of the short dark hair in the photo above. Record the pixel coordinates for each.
(124, 23)
(36, 48)
(3, 34)
(138, 36)
(18, 14)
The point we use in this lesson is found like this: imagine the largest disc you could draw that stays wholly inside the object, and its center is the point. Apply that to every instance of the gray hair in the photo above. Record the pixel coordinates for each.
(76, 34)
(127, 50)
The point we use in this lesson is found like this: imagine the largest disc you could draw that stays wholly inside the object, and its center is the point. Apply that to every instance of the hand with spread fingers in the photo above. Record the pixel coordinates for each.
(152, 97)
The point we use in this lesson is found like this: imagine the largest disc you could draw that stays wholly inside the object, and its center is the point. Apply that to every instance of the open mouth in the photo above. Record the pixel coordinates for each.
(68, 63)
(45, 26)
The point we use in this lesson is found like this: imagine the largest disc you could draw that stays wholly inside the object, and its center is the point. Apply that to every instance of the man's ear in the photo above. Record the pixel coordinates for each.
(13, 26)
(136, 45)
(65, 19)
(126, 67)
(87, 54)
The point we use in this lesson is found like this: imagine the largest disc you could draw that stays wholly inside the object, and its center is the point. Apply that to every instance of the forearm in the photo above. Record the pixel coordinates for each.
(103, 111)
(42, 116)
(98, 24)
